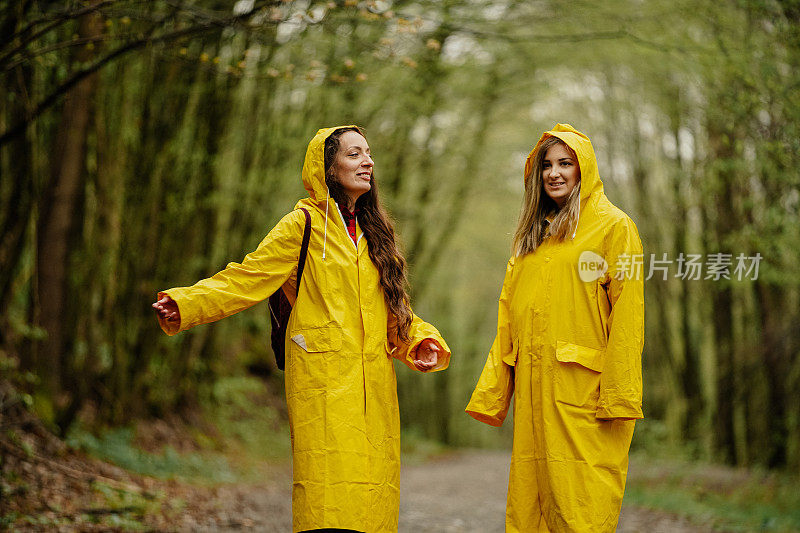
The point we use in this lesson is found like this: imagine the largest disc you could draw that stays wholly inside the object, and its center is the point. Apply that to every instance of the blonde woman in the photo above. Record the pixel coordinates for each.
(569, 344)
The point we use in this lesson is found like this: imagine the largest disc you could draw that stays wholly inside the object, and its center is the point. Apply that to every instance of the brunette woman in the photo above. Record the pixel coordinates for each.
(350, 318)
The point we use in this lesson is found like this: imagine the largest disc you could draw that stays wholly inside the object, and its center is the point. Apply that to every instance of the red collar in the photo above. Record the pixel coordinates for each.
(350, 221)
(347, 214)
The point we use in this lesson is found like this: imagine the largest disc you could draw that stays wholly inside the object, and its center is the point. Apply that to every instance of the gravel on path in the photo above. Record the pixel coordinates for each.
(462, 491)
(465, 492)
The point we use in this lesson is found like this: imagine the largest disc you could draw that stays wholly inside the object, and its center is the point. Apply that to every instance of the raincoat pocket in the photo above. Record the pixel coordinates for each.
(577, 376)
(314, 356)
(326, 339)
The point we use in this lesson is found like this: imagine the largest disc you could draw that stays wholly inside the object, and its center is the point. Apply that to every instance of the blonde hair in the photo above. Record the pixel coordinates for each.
(533, 227)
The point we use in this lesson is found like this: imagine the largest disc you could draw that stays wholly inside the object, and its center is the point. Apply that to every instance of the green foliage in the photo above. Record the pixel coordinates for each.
(238, 408)
(247, 432)
(43, 521)
(724, 499)
(117, 446)
(19, 379)
(191, 150)
(416, 448)
(653, 438)
(7, 519)
(112, 508)
(124, 509)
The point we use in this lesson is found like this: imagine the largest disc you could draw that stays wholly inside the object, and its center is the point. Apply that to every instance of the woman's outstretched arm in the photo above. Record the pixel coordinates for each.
(239, 285)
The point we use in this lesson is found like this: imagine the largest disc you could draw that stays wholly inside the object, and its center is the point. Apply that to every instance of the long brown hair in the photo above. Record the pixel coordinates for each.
(537, 206)
(379, 232)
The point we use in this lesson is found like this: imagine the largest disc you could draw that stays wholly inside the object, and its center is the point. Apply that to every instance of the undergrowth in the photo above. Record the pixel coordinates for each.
(248, 433)
(117, 446)
(669, 477)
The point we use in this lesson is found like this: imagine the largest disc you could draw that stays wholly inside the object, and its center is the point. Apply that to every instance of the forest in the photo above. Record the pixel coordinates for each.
(143, 145)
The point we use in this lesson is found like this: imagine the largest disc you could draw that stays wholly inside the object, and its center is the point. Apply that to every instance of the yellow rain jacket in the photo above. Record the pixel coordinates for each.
(340, 381)
(569, 344)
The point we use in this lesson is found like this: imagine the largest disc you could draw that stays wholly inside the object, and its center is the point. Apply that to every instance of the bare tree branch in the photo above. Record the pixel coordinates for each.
(141, 42)
(60, 46)
(62, 18)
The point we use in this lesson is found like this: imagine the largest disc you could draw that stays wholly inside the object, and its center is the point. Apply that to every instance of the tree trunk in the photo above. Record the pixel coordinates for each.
(57, 219)
(722, 297)
(691, 370)
(17, 208)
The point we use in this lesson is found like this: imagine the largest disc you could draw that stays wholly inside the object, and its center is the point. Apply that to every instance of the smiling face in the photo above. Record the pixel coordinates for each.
(353, 165)
(560, 173)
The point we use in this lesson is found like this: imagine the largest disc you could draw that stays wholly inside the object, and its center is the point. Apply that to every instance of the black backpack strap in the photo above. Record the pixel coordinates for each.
(301, 262)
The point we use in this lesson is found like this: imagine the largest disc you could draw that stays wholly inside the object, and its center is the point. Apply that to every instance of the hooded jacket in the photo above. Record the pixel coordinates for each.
(341, 388)
(569, 343)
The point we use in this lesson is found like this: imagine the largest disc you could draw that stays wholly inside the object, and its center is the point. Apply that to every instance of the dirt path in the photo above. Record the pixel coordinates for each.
(462, 492)
(466, 493)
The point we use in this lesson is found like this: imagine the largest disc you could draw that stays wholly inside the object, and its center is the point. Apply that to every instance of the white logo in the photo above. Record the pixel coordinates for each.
(301, 341)
(591, 266)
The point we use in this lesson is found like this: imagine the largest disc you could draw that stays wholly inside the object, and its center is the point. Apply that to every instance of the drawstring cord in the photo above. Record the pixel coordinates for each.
(325, 239)
(578, 218)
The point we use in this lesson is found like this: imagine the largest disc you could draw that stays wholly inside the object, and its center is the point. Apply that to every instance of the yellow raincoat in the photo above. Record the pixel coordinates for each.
(569, 344)
(340, 382)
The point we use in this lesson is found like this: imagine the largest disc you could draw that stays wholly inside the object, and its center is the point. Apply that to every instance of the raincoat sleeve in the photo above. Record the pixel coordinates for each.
(240, 285)
(492, 395)
(621, 379)
(418, 332)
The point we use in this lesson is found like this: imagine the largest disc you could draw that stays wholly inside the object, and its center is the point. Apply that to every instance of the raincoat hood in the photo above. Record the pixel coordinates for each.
(314, 164)
(582, 146)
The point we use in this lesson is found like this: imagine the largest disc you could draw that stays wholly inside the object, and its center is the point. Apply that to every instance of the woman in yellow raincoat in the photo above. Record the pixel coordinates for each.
(351, 316)
(569, 344)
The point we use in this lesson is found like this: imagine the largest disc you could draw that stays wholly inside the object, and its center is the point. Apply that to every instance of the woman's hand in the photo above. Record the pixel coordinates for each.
(427, 355)
(167, 309)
